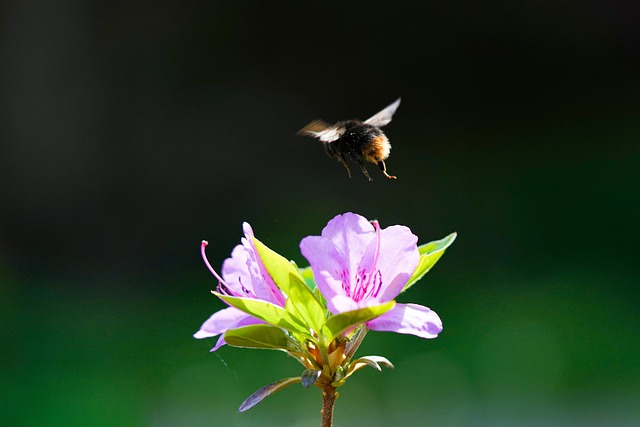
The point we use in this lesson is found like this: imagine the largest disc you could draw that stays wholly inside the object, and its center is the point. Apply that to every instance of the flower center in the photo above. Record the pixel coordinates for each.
(368, 282)
(368, 285)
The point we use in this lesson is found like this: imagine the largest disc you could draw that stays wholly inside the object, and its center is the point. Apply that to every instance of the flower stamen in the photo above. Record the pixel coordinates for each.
(246, 290)
(364, 287)
(206, 261)
(373, 272)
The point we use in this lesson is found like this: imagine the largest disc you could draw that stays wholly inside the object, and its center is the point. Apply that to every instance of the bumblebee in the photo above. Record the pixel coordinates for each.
(355, 140)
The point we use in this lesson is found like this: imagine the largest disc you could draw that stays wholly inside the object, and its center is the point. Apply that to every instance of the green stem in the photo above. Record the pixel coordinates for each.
(329, 397)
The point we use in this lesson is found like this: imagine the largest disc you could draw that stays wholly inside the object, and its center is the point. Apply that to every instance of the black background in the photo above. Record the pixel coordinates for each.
(130, 131)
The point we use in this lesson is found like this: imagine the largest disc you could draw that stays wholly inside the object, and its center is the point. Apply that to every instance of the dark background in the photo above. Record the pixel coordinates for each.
(131, 130)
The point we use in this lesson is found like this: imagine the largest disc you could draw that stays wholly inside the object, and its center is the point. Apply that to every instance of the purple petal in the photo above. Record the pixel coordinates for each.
(220, 322)
(219, 343)
(350, 234)
(327, 266)
(335, 256)
(267, 289)
(411, 319)
(247, 230)
(396, 262)
(342, 303)
(235, 271)
(398, 259)
(245, 274)
(244, 322)
(345, 254)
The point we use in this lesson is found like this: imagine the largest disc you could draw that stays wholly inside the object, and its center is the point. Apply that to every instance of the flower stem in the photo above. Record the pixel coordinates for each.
(329, 397)
(356, 340)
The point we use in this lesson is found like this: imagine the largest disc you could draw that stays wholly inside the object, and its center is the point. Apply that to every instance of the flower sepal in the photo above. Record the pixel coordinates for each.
(374, 362)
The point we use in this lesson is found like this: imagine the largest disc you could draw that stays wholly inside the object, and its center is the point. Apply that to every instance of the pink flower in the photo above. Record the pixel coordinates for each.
(243, 275)
(357, 265)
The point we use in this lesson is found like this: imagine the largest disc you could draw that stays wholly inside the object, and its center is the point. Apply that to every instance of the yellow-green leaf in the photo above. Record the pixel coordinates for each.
(307, 275)
(258, 336)
(278, 267)
(341, 322)
(270, 313)
(430, 253)
(301, 302)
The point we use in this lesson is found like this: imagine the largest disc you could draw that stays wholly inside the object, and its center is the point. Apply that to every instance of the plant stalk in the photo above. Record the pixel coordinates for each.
(329, 397)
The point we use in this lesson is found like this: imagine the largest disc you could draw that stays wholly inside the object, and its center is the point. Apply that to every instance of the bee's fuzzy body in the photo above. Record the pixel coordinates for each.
(356, 140)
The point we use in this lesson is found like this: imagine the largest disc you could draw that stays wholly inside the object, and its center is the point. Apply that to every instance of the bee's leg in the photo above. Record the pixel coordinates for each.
(364, 170)
(341, 159)
(383, 168)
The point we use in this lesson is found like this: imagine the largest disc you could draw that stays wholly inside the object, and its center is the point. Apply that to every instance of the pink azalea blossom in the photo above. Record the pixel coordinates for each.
(356, 265)
(243, 275)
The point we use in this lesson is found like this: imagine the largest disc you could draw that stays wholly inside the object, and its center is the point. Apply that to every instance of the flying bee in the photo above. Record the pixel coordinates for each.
(356, 140)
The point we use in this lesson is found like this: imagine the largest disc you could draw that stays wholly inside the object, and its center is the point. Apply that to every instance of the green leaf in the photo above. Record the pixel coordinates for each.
(301, 302)
(265, 392)
(372, 361)
(258, 336)
(279, 268)
(307, 275)
(310, 281)
(430, 253)
(341, 322)
(270, 313)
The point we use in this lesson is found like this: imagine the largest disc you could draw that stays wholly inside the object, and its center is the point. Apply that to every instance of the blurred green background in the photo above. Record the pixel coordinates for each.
(130, 131)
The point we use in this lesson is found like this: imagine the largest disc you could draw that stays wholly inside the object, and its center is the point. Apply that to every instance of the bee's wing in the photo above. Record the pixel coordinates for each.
(321, 130)
(383, 117)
